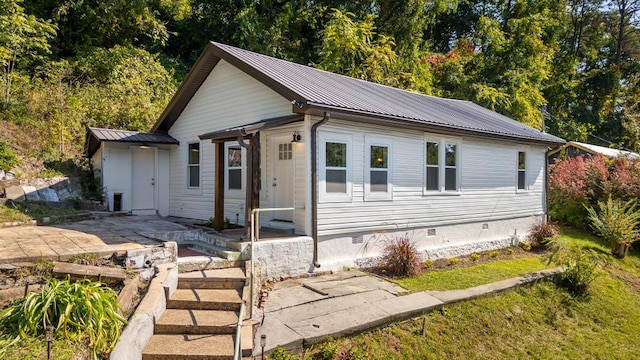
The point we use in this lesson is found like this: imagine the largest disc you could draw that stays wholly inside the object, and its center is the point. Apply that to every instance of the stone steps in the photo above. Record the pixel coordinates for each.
(230, 278)
(201, 318)
(205, 299)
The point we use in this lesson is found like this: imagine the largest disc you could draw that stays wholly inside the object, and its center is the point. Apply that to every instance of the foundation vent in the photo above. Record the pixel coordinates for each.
(431, 232)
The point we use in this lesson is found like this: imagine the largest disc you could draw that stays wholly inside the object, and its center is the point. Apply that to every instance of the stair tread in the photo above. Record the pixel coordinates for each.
(207, 295)
(182, 317)
(214, 275)
(202, 346)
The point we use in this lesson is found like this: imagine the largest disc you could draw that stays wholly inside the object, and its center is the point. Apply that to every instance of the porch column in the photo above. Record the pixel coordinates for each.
(252, 198)
(218, 211)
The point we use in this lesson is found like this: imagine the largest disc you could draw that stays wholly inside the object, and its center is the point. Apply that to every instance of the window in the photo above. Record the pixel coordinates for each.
(234, 167)
(285, 151)
(441, 163)
(193, 165)
(334, 171)
(336, 167)
(378, 185)
(522, 170)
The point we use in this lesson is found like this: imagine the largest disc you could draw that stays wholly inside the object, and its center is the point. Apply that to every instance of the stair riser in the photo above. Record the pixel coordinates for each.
(194, 330)
(209, 284)
(187, 357)
(198, 305)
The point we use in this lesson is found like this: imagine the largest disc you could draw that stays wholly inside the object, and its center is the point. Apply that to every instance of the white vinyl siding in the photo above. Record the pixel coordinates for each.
(227, 98)
(486, 174)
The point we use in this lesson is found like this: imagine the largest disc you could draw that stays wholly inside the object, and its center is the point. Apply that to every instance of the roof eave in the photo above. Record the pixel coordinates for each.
(363, 116)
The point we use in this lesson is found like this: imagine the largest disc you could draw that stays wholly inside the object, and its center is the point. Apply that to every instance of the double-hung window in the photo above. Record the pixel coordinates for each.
(522, 170)
(193, 165)
(234, 167)
(441, 165)
(335, 167)
(378, 176)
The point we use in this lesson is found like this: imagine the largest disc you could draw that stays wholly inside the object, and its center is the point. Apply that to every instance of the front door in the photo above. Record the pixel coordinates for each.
(282, 178)
(143, 179)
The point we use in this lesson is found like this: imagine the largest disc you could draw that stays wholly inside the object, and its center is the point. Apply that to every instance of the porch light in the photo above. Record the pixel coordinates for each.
(144, 146)
(296, 137)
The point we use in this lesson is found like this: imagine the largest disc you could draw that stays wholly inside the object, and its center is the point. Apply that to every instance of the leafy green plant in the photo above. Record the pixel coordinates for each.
(541, 233)
(510, 251)
(400, 256)
(453, 261)
(429, 263)
(494, 253)
(580, 266)
(78, 311)
(525, 246)
(8, 158)
(280, 353)
(474, 257)
(617, 223)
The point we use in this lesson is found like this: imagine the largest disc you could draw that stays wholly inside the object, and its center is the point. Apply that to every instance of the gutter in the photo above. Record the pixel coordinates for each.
(314, 185)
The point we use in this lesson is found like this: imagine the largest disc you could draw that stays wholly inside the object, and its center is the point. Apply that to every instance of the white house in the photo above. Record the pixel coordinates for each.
(357, 162)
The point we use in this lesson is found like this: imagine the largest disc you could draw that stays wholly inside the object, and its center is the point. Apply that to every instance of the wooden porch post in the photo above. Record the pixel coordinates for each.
(255, 176)
(218, 211)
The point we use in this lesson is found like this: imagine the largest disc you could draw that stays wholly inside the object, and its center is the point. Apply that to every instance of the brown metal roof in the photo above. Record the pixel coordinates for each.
(97, 135)
(315, 90)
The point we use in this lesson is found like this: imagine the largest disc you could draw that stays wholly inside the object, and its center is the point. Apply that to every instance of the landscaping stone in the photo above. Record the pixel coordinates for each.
(2, 173)
(48, 194)
(15, 193)
(31, 193)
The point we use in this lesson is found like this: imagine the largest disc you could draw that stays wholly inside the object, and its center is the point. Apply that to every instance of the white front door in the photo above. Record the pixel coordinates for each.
(143, 178)
(282, 177)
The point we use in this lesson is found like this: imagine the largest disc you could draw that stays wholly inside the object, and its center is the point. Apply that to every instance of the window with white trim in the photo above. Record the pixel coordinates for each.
(441, 165)
(522, 170)
(234, 167)
(193, 165)
(378, 175)
(335, 172)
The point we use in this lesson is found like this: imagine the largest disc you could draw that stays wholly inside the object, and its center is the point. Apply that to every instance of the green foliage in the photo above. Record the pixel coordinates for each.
(453, 261)
(541, 233)
(474, 257)
(79, 311)
(428, 263)
(494, 253)
(8, 158)
(580, 266)
(400, 256)
(280, 353)
(616, 222)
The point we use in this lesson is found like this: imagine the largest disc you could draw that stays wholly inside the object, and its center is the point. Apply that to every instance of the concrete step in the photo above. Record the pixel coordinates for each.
(234, 244)
(178, 321)
(213, 249)
(230, 278)
(197, 347)
(205, 299)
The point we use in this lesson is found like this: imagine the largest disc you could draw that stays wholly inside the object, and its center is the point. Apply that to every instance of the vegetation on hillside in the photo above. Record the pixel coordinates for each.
(68, 64)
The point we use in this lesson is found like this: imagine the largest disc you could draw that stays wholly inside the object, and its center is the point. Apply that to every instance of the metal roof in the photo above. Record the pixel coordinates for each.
(97, 135)
(315, 90)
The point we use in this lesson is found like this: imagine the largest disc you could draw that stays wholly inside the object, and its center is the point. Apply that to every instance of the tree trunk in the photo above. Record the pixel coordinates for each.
(621, 250)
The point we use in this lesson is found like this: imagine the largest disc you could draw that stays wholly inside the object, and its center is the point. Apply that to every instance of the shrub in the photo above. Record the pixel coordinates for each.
(474, 257)
(400, 256)
(576, 182)
(429, 263)
(453, 261)
(494, 253)
(79, 311)
(510, 251)
(525, 246)
(280, 353)
(8, 158)
(541, 233)
(617, 223)
(580, 267)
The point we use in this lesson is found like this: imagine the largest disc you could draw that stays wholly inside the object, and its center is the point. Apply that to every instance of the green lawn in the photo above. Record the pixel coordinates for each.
(11, 215)
(537, 322)
(471, 276)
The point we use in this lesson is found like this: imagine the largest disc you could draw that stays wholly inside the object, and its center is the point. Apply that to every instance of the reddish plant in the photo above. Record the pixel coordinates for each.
(401, 257)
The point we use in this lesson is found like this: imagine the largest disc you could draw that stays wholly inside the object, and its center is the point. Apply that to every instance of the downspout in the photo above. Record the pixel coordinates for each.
(248, 184)
(314, 185)
(546, 186)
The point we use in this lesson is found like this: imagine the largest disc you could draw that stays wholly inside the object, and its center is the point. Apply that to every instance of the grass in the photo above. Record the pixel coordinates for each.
(12, 215)
(471, 276)
(538, 322)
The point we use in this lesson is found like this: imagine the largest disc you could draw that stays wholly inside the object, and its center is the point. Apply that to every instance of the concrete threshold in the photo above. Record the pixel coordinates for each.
(316, 316)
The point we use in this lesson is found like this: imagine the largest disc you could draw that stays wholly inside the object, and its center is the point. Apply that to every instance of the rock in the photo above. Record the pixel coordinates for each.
(63, 194)
(48, 194)
(15, 193)
(9, 175)
(2, 195)
(1, 174)
(31, 192)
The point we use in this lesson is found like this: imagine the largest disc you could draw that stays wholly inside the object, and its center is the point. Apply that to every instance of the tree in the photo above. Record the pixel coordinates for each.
(23, 38)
